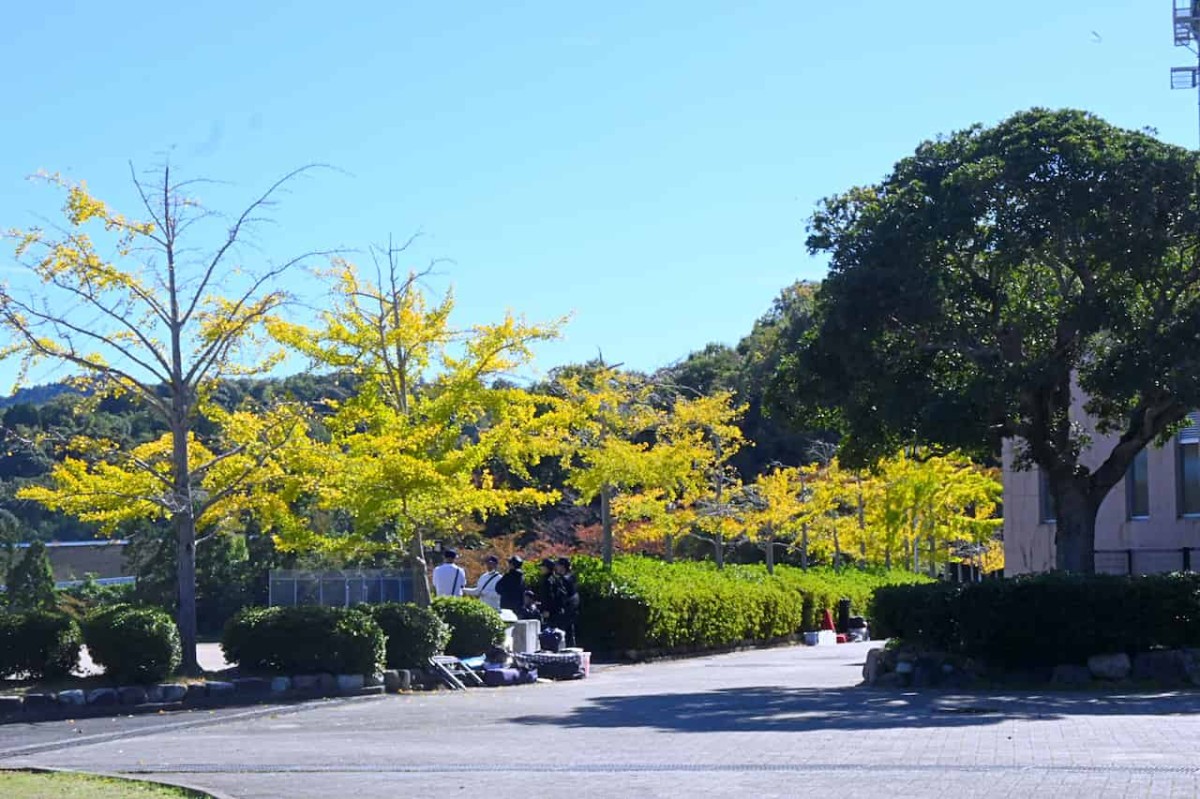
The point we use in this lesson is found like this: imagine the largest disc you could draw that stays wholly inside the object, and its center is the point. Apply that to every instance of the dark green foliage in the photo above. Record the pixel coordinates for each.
(989, 278)
(304, 640)
(79, 600)
(30, 581)
(132, 643)
(38, 644)
(914, 613)
(231, 572)
(1044, 620)
(473, 625)
(748, 370)
(414, 634)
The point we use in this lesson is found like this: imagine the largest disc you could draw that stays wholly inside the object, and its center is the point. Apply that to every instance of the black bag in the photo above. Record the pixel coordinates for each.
(496, 678)
(551, 640)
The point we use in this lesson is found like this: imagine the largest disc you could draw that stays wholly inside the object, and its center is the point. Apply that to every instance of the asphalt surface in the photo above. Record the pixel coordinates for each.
(773, 723)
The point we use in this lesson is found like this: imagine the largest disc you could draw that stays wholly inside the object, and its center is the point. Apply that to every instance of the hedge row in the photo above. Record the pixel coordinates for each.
(1044, 620)
(359, 640)
(644, 603)
(304, 640)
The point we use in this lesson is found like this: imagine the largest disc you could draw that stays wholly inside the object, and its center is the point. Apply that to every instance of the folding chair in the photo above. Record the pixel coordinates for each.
(451, 671)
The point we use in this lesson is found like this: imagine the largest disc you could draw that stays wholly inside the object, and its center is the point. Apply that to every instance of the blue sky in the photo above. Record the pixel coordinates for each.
(648, 167)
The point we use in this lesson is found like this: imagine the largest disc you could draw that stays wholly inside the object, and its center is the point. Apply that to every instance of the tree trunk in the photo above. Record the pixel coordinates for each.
(916, 555)
(606, 545)
(420, 574)
(804, 547)
(669, 548)
(718, 541)
(185, 537)
(1075, 530)
(770, 550)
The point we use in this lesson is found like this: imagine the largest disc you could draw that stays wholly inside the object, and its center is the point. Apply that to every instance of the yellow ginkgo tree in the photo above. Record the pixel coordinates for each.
(237, 473)
(144, 306)
(944, 502)
(632, 437)
(775, 512)
(419, 449)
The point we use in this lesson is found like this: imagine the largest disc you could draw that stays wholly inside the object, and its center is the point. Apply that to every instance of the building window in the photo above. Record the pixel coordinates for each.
(1189, 467)
(1045, 499)
(1137, 487)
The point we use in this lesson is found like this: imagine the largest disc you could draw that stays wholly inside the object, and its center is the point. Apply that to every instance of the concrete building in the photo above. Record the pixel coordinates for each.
(1149, 522)
(72, 561)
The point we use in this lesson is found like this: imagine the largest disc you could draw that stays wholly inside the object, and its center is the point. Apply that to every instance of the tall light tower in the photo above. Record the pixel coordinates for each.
(1186, 19)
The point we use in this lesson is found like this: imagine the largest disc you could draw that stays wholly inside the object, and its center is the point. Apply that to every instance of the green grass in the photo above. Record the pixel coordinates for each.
(34, 785)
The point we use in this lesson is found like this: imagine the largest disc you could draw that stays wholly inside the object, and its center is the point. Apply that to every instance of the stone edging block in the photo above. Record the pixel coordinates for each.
(79, 703)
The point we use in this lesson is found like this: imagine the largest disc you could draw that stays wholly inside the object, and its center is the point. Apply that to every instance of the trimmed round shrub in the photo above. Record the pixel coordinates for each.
(309, 639)
(414, 634)
(473, 625)
(133, 644)
(38, 644)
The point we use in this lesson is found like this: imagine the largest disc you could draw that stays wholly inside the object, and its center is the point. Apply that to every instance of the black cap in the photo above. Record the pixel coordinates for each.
(548, 563)
(564, 562)
(516, 560)
(449, 554)
(492, 559)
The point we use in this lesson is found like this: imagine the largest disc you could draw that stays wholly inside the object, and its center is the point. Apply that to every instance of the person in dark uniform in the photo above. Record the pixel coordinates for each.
(530, 609)
(566, 614)
(511, 587)
(548, 591)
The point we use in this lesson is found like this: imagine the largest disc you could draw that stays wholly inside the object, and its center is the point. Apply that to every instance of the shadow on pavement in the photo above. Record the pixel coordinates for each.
(778, 709)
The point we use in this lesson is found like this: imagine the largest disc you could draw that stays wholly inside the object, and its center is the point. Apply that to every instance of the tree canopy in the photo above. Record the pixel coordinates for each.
(996, 282)
(416, 450)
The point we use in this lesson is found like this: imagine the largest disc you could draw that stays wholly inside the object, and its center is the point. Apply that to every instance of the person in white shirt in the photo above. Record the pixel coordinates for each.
(449, 579)
(485, 589)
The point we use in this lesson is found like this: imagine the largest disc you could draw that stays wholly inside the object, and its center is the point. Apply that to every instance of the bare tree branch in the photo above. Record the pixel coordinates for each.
(233, 235)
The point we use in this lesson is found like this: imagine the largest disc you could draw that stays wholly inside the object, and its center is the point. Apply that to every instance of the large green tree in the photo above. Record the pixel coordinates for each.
(998, 281)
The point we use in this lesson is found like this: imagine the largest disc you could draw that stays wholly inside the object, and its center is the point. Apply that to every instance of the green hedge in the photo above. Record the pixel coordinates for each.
(414, 634)
(304, 640)
(474, 626)
(38, 644)
(1044, 620)
(643, 603)
(138, 644)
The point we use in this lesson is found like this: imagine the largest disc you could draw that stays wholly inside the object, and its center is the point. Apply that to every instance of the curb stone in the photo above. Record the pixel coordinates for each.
(126, 699)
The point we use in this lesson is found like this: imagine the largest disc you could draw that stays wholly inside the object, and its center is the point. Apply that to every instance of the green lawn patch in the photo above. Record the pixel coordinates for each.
(38, 785)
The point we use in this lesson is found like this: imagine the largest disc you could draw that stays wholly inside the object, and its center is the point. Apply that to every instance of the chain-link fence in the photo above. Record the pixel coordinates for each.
(340, 588)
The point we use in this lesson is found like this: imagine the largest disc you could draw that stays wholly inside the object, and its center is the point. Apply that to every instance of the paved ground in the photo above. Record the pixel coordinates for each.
(775, 723)
(210, 656)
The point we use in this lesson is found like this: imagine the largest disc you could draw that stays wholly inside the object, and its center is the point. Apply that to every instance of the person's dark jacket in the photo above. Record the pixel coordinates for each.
(549, 595)
(511, 589)
(568, 593)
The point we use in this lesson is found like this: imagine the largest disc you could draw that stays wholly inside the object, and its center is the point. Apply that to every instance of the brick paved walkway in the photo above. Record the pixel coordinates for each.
(775, 723)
